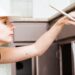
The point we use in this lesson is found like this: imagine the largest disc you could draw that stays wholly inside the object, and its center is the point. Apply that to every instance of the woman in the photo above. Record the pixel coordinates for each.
(5, 39)
(12, 54)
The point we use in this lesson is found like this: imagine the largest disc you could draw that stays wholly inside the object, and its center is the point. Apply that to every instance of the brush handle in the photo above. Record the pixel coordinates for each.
(62, 12)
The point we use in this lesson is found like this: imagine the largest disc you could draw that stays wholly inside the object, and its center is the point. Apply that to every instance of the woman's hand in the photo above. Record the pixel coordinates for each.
(66, 21)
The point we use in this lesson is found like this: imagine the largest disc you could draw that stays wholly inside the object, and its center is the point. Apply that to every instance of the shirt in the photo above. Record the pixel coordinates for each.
(7, 69)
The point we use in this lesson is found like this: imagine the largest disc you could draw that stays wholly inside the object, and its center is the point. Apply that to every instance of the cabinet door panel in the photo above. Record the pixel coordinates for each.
(48, 63)
(29, 31)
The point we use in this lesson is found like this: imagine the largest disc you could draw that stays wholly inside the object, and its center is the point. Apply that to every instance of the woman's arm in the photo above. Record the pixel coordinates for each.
(9, 55)
(12, 54)
(45, 41)
(36, 49)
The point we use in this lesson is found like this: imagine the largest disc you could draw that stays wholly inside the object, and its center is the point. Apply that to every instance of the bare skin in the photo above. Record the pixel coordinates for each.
(10, 55)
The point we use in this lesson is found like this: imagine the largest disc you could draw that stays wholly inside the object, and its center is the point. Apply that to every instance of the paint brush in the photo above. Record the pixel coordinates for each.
(64, 13)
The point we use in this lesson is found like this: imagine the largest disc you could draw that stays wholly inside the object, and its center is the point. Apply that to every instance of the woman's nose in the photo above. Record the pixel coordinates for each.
(12, 27)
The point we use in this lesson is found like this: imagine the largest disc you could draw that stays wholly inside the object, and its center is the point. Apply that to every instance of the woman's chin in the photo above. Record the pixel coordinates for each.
(7, 41)
(4, 42)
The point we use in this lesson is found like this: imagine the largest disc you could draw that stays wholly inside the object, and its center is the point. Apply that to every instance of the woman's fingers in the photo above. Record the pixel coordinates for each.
(66, 21)
(71, 22)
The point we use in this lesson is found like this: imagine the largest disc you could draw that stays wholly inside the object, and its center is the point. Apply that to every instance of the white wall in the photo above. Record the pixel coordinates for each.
(40, 8)
(72, 1)
(4, 7)
(16, 7)
(21, 8)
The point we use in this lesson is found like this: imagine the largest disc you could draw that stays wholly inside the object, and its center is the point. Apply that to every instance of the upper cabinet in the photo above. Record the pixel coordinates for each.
(29, 30)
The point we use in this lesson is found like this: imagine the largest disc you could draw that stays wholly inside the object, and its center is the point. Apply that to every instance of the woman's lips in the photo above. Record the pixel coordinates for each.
(11, 34)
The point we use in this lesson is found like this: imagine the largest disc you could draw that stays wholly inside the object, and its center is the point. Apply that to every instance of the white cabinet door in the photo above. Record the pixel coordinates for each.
(29, 31)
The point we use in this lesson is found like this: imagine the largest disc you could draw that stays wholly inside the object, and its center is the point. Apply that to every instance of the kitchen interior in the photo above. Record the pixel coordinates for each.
(31, 22)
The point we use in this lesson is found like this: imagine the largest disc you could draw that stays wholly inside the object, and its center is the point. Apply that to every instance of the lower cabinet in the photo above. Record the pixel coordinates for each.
(24, 67)
(57, 60)
(48, 63)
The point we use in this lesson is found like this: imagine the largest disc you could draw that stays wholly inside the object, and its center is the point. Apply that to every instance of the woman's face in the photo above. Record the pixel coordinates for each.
(6, 32)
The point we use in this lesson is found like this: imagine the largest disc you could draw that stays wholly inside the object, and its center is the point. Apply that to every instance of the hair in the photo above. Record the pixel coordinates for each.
(4, 17)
